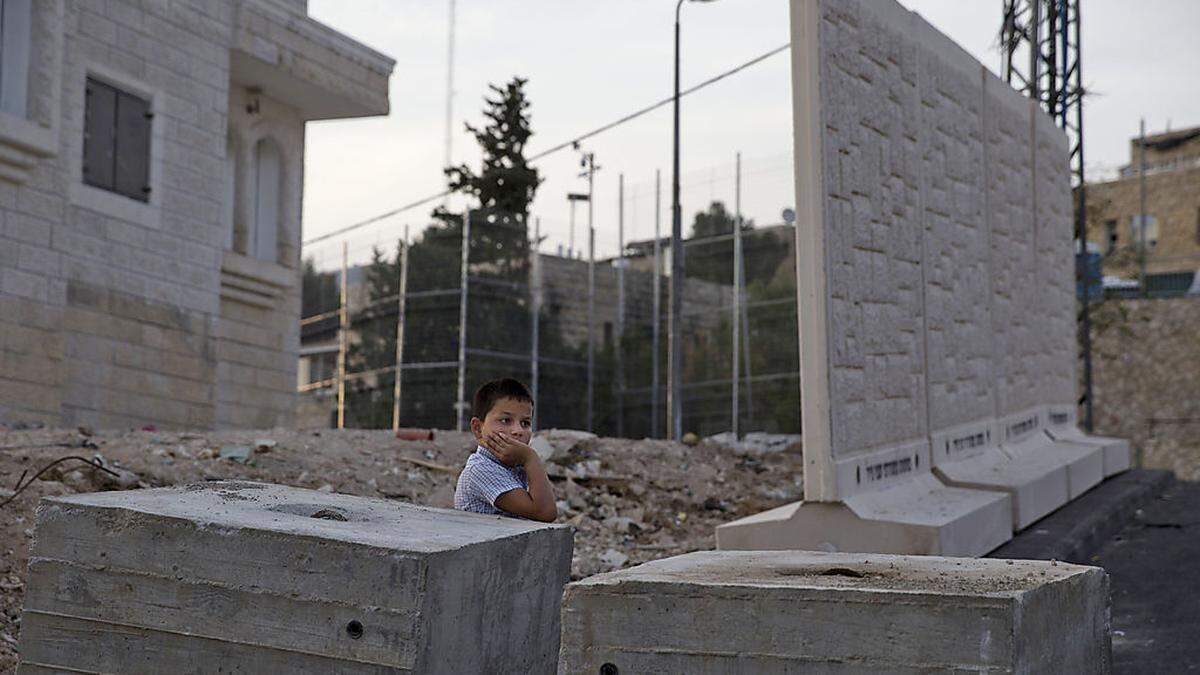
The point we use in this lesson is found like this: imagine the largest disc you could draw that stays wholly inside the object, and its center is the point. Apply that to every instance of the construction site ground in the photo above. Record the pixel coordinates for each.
(630, 501)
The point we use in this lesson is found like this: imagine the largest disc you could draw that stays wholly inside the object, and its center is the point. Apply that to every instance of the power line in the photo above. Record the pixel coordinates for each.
(561, 146)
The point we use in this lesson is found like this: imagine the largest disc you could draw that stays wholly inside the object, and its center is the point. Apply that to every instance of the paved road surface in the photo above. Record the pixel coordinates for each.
(1154, 566)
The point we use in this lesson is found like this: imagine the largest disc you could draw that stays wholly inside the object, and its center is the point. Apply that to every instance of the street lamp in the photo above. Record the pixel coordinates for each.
(674, 328)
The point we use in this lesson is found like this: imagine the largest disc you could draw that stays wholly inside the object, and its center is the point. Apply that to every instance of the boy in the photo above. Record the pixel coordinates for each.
(504, 475)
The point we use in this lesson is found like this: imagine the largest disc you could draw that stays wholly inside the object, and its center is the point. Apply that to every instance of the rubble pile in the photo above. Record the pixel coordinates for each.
(630, 501)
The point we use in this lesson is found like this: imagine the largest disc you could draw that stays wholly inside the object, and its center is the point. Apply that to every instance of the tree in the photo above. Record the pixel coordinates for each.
(501, 191)
(504, 186)
(319, 290)
(713, 260)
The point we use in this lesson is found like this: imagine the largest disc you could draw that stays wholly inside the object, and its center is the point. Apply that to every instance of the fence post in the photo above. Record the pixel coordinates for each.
(402, 250)
(535, 293)
(620, 305)
(655, 414)
(735, 324)
(460, 404)
(591, 303)
(343, 328)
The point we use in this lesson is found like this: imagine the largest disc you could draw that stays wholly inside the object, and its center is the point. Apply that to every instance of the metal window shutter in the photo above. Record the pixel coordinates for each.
(15, 36)
(133, 147)
(99, 138)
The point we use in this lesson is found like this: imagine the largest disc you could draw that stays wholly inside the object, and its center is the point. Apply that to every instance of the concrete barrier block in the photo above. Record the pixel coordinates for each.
(1038, 485)
(799, 611)
(919, 516)
(1117, 453)
(251, 577)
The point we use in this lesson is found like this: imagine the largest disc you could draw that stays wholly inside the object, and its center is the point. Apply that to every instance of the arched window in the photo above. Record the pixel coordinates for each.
(230, 191)
(268, 174)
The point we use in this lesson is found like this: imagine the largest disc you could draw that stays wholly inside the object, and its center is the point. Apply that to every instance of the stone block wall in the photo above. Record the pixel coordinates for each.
(116, 312)
(1172, 198)
(943, 294)
(115, 300)
(565, 284)
(1146, 379)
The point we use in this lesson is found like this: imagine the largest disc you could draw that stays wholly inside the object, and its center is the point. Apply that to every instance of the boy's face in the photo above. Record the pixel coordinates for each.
(508, 416)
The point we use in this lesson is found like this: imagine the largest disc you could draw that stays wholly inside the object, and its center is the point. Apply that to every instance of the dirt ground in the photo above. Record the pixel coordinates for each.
(630, 501)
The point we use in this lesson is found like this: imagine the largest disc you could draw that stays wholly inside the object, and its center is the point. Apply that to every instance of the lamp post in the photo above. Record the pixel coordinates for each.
(674, 329)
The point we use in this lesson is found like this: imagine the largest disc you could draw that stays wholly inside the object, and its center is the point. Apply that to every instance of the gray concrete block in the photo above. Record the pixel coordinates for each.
(263, 578)
(799, 611)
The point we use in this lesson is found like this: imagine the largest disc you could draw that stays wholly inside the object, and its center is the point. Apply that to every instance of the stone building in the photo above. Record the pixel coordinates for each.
(1172, 209)
(151, 157)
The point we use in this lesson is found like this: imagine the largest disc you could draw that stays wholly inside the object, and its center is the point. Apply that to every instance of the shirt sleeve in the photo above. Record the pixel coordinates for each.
(490, 482)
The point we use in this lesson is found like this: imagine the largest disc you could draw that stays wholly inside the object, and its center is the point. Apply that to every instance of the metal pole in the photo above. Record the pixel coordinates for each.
(343, 330)
(1142, 208)
(735, 324)
(749, 374)
(400, 316)
(535, 288)
(620, 305)
(1035, 50)
(460, 404)
(674, 329)
(1081, 221)
(655, 413)
(591, 301)
(449, 94)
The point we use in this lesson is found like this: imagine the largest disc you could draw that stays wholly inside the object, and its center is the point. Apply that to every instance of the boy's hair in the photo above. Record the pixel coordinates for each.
(490, 392)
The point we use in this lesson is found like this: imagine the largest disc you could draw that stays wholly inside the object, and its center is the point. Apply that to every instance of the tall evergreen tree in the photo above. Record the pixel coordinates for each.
(499, 195)
(503, 187)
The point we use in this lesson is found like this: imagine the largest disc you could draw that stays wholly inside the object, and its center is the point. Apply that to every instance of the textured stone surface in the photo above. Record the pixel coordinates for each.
(958, 329)
(1056, 276)
(946, 206)
(1015, 293)
(872, 182)
(1172, 197)
(262, 578)
(1147, 380)
(113, 312)
(797, 611)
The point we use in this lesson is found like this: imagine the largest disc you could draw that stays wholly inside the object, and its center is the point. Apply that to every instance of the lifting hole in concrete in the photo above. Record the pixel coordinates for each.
(329, 514)
(819, 572)
(317, 511)
(608, 669)
(354, 629)
(843, 572)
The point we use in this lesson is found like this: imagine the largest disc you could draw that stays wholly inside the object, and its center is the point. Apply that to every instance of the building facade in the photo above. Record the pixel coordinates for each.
(151, 178)
(1172, 218)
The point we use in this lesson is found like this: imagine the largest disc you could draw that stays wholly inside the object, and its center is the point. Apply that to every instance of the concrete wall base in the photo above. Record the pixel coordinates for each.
(918, 517)
(1118, 455)
(799, 611)
(1039, 473)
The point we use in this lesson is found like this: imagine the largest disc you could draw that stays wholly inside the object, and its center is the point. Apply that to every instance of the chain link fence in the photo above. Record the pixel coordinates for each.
(588, 335)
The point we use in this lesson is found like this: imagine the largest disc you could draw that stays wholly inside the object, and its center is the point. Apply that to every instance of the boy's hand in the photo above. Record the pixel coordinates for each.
(508, 449)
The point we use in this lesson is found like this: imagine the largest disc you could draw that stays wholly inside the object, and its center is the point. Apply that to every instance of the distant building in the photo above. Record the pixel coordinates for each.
(564, 300)
(151, 179)
(1172, 218)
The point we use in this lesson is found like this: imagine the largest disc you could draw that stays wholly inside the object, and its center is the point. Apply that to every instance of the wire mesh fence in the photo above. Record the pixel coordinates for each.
(481, 301)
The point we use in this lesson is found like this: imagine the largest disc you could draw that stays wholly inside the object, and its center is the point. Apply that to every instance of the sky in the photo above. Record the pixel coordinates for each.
(590, 63)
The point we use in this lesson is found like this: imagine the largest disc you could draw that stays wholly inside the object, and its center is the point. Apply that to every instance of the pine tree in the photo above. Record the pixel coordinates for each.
(501, 191)
(504, 186)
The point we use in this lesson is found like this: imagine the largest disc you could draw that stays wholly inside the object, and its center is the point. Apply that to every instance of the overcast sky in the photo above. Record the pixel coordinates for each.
(589, 63)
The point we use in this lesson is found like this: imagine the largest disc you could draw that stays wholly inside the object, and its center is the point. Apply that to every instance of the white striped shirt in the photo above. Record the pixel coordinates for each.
(483, 480)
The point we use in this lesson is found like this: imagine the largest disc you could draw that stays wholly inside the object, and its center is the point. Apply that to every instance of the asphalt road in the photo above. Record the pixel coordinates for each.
(1154, 568)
